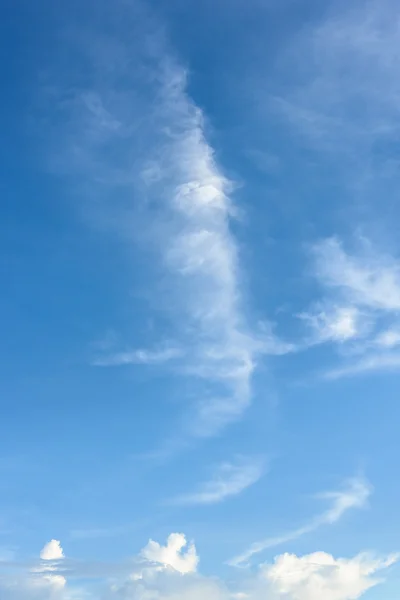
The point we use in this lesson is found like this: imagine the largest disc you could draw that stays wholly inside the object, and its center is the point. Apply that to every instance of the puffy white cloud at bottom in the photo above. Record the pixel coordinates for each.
(172, 554)
(315, 576)
(320, 575)
(170, 573)
(52, 551)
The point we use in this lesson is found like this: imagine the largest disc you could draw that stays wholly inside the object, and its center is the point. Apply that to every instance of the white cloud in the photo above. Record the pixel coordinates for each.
(388, 338)
(361, 295)
(170, 175)
(40, 581)
(337, 323)
(374, 363)
(270, 344)
(52, 551)
(344, 104)
(201, 255)
(354, 494)
(49, 587)
(370, 280)
(136, 357)
(310, 577)
(171, 586)
(172, 554)
(170, 573)
(289, 577)
(229, 480)
(55, 581)
(320, 575)
(380, 354)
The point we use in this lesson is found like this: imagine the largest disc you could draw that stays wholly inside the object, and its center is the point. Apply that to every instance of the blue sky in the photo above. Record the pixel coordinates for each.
(201, 292)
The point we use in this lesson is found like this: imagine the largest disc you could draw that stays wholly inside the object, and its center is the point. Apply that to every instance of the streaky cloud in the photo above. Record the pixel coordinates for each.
(230, 479)
(144, 144)
(375, 363)
(370, 280)
(139, 357)
(354, 495)
(360, 305)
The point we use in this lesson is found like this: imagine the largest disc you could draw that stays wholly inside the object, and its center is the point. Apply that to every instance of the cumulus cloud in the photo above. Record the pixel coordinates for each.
(229, 479)
(40, 581)
(355, 494)
(290, 577)
(170, 573)
(320, 575)
(173, 554)
(52, 551)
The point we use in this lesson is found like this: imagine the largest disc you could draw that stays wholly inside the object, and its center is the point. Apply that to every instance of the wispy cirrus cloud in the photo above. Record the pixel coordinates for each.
(368, 279)
(388, 338)
(332, 323)
(345, 99)
(344, 107)
(140, 148)
(372, 363)
(139, 357)
(229, 479)
(201, 255)
(365, 284)
(354, 494)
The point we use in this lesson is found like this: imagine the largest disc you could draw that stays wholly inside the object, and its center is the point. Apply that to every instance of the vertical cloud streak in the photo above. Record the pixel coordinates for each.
(201, 255)
(135, 137)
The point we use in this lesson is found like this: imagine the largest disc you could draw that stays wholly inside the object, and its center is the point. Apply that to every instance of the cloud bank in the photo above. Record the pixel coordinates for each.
(171, 572)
